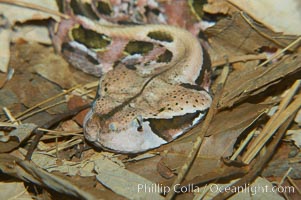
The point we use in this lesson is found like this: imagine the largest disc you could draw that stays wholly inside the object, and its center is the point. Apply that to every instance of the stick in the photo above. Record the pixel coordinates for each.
(55, 120)
(197, 144)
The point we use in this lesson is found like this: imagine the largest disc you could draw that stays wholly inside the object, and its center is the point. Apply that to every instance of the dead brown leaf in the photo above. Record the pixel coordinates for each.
(76, 102)
(21, 14)
(219, 7)
(164, 171)
(34, 88)
(226, 127)
(253, 81)
(234, 36)
(282, 16)
(249, 91)
(4, 51)
(285, 157)
(16, 137)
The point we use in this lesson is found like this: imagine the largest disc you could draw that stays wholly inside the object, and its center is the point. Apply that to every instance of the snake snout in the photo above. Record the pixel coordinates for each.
(91, 126)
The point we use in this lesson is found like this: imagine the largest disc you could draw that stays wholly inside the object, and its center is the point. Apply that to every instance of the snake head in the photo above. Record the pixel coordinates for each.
(124, 136)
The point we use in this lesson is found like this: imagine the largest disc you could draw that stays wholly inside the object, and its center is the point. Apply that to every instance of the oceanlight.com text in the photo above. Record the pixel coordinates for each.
(214, 188)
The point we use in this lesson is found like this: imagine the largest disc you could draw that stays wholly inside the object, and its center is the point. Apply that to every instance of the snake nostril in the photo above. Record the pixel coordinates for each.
(140, 129)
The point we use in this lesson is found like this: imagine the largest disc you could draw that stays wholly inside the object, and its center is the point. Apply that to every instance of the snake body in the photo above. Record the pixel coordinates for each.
(144, 105)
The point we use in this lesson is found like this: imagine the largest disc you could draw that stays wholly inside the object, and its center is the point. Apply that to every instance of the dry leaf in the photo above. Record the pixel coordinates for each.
(226, 127)
(141, 157)
(34, 88)
(234, 36)
(298, 118)
(51, 66)
(51, 164)
(21, 14)
(287, 156)
(84, 169)
(164, 171)
(44, 161)
(14, 190)
(253, 81)
(219, 7)
(281, 16)
(15, 137)
(75, 102)
(124, 182)
(295, 136)
(31, 33)
(5, 35)
(69, 125)
(147, 168)
(259, 189)
(29, 172)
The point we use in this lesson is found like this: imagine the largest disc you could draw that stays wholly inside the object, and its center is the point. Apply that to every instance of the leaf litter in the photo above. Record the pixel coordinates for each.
(44, 86)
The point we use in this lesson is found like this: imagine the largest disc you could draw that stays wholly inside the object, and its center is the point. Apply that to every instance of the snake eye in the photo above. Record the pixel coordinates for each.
(112, 127)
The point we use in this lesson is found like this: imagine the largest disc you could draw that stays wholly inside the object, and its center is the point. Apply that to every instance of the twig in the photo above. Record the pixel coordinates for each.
(197, 144)
(285, 176)
(46, 101)
(294, 184)
(10, 116)
(49, 124)
(276, 55)
(65, 145)
(62, 133)
(54, 133)
(258, 166)
(243, 145)
(9, 76)
(42, 109)
(247, 19)
(276, 120)
(30, 173)
(242, 58)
